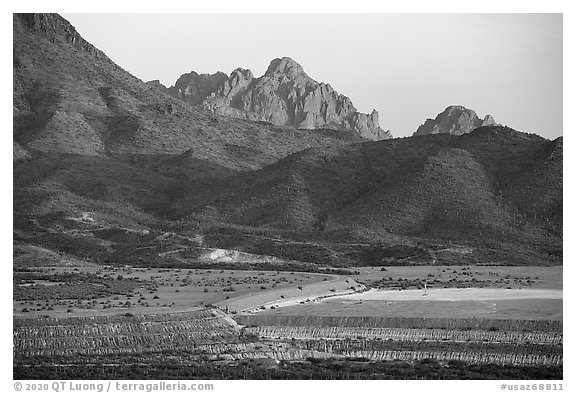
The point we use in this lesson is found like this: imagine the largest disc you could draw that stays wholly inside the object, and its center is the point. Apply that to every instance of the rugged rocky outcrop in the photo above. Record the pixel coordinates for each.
(455, 120)
(225, 99)
(68, 97)
(488, 121)
(156, 84)
(193, 88)
(285, 95)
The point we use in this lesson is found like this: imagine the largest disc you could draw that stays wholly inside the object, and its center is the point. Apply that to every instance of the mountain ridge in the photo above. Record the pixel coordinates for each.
(284, 95)
(456, 120)
(69, 97)
(91, 140)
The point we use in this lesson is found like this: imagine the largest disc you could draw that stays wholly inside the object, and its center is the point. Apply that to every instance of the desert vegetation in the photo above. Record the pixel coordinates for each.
(216, 333)
(311, 368)
(154, 239)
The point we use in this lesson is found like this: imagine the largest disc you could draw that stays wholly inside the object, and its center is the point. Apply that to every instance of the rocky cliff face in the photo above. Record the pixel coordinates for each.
(193, 88)
(156, 84)
(285, 95)
(55, 28)
(455, 120)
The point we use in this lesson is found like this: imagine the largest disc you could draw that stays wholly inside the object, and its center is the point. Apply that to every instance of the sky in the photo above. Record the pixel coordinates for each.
(409, 67)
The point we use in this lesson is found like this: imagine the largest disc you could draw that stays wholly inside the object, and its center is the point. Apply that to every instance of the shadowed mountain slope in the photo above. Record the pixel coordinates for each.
(104, 164)
(70, 98)
(77, 116)
(459, 188)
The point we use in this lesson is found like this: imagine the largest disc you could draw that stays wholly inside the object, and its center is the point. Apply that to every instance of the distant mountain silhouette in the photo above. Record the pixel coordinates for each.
(455, 120)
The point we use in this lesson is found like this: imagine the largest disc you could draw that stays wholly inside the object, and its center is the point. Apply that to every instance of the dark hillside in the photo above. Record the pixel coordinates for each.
(97, 151)
(405, 179)
(465, 189)
(88, 133)
(449, 197)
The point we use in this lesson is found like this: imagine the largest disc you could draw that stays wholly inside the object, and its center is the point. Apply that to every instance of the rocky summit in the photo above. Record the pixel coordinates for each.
(285, 96)
(455, 120)
(192, 88)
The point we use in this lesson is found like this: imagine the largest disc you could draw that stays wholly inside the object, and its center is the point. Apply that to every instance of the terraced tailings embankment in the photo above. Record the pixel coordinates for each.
(515, 342)
(210, 334)
(122, 334)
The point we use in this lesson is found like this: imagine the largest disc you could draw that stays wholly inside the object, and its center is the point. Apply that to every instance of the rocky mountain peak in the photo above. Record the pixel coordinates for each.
(285, 66)
(455, 108)
(193, 88)
(368, 126)
(488, 121)
(285, 96)
(455, 112)
(232, 87)
(455, 120)
(243, 73)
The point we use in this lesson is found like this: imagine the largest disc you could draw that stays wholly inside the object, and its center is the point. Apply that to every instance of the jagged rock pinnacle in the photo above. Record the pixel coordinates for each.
(285, 96)
(456, 120)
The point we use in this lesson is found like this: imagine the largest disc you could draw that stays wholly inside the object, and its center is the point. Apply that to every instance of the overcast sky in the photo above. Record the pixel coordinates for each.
(409, 67)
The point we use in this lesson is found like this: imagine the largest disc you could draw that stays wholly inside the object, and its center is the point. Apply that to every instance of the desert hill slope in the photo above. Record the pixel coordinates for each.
(78, 116)
(479, 173)
(466, 189)
(70, 98)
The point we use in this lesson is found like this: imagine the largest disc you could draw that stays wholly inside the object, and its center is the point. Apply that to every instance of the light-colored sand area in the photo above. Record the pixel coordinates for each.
(456, 294)
(291, 296)
(540, 309)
